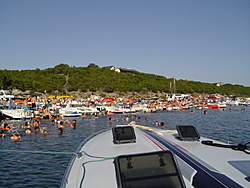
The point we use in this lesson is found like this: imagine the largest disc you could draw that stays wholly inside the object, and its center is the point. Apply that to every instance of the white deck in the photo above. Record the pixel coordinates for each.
(100, 173)
(221, 160)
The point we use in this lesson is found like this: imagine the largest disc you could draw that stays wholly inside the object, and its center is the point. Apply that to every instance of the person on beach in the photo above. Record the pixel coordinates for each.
(44, 112)
(26, 107)
(54, 102)
(131, 102)
(124, 102)
(92, 97)
(33, 102)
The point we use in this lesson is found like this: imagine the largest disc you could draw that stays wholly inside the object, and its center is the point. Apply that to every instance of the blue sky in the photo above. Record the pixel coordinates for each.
(200, 40)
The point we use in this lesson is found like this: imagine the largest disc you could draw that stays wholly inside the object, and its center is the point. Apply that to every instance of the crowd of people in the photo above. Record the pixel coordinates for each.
(33, 126)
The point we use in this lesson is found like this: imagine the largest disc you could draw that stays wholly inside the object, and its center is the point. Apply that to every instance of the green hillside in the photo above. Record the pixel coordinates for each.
(63, 79)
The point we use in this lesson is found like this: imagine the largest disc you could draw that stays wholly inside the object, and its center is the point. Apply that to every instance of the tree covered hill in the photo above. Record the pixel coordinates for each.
(63, 79)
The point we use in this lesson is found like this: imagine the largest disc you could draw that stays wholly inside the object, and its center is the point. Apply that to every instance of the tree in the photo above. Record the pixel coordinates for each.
(93, 65)
(62, 65)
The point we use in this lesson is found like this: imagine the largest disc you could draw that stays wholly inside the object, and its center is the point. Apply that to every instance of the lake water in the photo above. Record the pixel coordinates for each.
(40, 170)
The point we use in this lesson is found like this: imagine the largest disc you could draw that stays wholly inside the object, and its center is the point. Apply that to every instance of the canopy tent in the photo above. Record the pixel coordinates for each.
(60, 97)
(108, 99)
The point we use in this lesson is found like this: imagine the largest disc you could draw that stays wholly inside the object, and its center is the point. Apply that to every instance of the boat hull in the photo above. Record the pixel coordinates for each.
(200, 165)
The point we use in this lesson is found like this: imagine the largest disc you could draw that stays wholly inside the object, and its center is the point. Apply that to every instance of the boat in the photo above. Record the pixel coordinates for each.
(211, 105)
(114, 110)
(88, 110)
(69, 112)
(202, 106)
(16, 114)
(222, 104)
(138, 156)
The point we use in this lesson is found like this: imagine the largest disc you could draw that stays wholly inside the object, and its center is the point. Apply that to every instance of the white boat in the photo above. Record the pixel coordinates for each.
(16, 114)
(143, 108)
(222, 104)
(114, 110)
(137, 156)
(69, 112)
(88, 110)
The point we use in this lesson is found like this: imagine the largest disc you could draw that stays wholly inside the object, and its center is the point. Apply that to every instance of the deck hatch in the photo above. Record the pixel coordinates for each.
(123, 134)
(187, 133)
(156, 169)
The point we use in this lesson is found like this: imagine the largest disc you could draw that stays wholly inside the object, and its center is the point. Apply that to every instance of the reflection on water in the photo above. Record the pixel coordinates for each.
(40, 170)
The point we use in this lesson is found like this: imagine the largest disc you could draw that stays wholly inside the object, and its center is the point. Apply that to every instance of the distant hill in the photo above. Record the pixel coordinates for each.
(63, 79)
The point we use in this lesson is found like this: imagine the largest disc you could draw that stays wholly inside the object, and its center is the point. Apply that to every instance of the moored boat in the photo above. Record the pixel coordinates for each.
(212, 105)
(69, 112)
(131, 156)
(222, 104)
(16, 114)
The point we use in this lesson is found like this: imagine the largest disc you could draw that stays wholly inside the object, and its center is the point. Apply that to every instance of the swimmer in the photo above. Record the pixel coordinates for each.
(60, 130)
(25, 125)
(162, 125)
(60, 127)
(7, 126)
(157, 123)
(28, 131)
(43, 130)
(15, 136)
(2, 134)
(53, 122)
(36, 126)
(110, 120)
(73, 125)
(60, 124)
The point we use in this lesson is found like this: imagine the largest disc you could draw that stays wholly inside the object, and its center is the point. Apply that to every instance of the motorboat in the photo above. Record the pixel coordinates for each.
(212, 105)
(202, 106)
(88, 110)
(69, 112)
(16, 114)
(135, 156)
(222, 104)
(114, 110)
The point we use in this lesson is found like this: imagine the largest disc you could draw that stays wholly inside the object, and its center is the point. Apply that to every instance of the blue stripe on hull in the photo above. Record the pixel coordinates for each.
(204, 178)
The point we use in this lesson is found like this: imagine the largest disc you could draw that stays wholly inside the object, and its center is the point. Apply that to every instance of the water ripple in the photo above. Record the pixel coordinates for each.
(40, 170)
